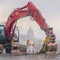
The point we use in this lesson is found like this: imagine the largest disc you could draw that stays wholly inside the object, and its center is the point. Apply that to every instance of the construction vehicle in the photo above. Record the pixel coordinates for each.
(28, 10)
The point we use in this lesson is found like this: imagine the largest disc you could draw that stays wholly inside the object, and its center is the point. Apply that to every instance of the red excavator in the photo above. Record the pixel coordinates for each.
(29, 10)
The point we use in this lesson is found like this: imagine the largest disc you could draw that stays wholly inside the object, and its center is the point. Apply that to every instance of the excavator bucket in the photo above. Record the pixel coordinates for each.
(49, 46)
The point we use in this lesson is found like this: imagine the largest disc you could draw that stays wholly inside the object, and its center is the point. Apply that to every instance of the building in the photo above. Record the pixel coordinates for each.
(29, 36)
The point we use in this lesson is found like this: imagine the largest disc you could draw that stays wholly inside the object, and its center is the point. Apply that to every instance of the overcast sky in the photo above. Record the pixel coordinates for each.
(49, 8)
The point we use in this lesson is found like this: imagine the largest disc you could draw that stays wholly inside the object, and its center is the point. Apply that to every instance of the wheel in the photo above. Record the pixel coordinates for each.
(8, 50)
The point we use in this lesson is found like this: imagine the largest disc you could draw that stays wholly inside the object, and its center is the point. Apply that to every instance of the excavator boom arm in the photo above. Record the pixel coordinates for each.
(28, 10)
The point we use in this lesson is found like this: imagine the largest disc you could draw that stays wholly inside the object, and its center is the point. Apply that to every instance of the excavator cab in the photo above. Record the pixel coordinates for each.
(2, 34)
(2, 38)
(4, 42)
